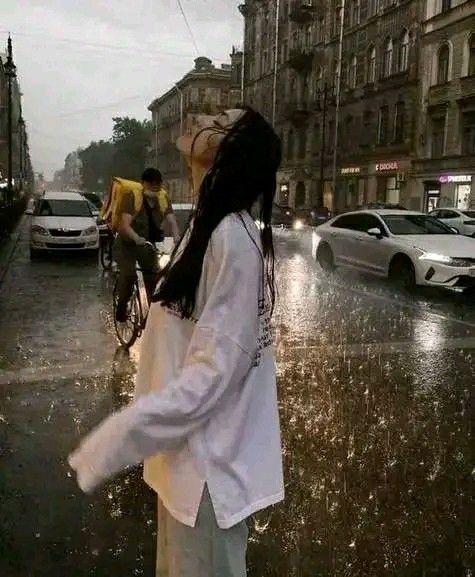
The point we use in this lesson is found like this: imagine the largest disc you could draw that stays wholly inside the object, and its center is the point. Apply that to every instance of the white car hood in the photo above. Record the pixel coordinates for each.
(449, 245)
(64, 222)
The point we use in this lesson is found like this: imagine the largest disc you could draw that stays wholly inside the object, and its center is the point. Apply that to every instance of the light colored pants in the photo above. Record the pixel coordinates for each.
(201, 551)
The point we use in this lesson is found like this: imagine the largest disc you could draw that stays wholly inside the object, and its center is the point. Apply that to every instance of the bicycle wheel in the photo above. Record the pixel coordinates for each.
(106, 253)
(128, 332)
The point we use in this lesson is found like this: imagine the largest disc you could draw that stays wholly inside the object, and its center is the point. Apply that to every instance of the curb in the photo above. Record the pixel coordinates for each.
(7, 251)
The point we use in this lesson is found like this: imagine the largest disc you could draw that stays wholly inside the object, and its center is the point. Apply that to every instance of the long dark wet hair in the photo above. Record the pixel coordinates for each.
(243, 176)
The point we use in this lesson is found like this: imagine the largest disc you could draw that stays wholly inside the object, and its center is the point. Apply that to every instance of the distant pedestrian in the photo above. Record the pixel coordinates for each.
(205, 417)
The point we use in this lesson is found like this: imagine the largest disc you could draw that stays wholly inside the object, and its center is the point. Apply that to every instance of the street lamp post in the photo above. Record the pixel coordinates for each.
(182, 120)
(21, 164)
(10, 73)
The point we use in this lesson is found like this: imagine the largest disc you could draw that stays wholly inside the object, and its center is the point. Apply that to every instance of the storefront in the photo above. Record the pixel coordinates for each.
(456, 191)
(353, 185)
(389, 179)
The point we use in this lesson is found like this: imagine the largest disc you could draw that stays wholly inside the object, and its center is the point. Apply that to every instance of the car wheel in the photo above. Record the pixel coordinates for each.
(403, 273)
(325, 257)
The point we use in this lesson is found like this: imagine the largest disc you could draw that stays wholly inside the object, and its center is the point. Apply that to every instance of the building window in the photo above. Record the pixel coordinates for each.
(371, 65)
(285, 50)
(337, 21)
(308, 36)
(320, 29)
(290, 145)
(443, 64)
(388, 58)
(355, 13)
(446, 5)
(344, 76)
(319, 81)
(404, 52)
(353, 71)
(471, 55)
(468, 133)
(399, 122)
(302, 150)
(383, 123)
(438, 136)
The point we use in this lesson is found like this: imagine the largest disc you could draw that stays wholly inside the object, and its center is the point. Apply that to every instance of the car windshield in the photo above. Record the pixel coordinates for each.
(469, 213)
(402, 224)
(57, 207)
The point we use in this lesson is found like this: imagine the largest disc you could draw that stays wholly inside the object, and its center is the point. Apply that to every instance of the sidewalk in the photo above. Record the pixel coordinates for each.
(8, 247)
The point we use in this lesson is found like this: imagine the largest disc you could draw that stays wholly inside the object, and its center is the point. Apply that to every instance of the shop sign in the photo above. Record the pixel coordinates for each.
(349, 170)
(455, 178)
(387, 166)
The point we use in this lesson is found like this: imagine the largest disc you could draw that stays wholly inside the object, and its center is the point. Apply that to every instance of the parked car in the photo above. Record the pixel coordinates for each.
(63, 221)
(462, 220)
(286, 217)
(94, 199)
(411, 248)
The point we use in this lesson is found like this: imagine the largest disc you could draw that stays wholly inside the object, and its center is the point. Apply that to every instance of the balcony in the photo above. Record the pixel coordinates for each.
(439, 94)
(297, 110)
(301, 59)
(467, 87)
(302, 11)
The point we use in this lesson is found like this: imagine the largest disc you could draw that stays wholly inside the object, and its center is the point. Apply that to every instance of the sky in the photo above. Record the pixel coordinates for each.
(81, 62)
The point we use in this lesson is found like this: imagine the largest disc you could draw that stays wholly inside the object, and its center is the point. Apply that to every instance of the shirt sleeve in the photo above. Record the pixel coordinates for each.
(219, 357)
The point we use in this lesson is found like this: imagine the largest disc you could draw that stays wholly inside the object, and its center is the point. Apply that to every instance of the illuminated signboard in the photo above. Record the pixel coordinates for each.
(455, 178)
(351, 170)
(386, 166)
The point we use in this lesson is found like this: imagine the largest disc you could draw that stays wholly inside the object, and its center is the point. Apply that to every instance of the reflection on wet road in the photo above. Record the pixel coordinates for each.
(375, 393)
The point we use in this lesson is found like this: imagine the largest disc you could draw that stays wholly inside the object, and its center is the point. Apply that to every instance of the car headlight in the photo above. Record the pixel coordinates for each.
(298, 224)
(89, 231)
(435, 257)
(259, 224)
(39, 230)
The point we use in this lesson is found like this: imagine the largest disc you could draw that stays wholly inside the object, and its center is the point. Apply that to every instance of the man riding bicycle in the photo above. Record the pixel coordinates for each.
(138, 231)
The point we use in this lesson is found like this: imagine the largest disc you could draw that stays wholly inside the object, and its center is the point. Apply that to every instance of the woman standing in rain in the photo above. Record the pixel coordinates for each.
(205, 418)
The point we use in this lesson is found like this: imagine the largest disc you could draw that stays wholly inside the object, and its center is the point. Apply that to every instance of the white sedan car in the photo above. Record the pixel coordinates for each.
(63, 221)
(462, 220)
(410, 248)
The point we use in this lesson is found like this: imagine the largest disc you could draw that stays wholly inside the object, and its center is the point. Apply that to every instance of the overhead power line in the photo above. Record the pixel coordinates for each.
(192, 36)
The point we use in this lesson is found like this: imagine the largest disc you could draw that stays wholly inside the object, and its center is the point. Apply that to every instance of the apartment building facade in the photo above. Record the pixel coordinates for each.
(206, 89)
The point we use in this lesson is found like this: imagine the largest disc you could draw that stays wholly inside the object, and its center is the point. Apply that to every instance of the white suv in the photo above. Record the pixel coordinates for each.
(62, 221)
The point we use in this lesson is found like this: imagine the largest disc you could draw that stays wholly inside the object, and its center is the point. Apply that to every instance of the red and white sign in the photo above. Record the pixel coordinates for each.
(387, 166)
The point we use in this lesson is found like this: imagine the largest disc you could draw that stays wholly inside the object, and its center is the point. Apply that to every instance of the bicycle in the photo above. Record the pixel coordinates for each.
(105, 247)
(138, 305)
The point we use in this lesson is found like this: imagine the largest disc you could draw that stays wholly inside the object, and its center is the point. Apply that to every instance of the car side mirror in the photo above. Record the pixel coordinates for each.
(376, 232)
(456, 230)
(29, 211)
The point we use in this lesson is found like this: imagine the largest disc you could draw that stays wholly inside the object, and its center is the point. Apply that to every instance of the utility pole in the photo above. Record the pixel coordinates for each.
(10, 73)
(321, 184)
(337, 102)
(276, 62)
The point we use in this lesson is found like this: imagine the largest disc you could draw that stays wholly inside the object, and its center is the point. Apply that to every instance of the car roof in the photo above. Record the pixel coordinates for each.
(384, 212)
(63, 196)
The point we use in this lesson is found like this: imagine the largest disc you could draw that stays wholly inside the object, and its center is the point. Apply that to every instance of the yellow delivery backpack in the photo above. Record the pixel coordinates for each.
(118, 189)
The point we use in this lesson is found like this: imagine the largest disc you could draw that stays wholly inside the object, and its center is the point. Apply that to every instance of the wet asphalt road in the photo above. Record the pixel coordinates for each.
(376, 392)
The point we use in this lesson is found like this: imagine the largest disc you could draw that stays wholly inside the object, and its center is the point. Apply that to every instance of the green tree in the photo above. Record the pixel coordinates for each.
(131, 139)
(97, 169)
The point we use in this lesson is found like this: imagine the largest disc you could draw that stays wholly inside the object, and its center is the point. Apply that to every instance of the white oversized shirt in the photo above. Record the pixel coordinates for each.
(206, 398)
